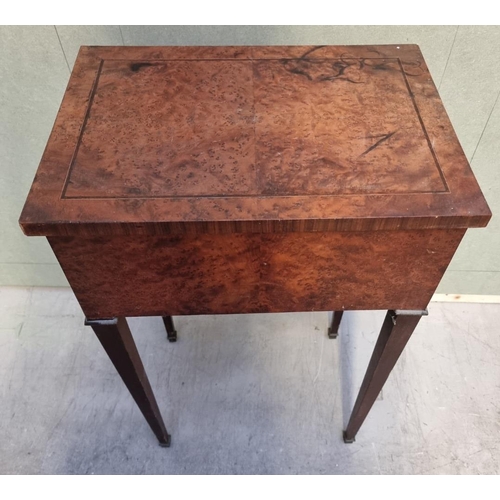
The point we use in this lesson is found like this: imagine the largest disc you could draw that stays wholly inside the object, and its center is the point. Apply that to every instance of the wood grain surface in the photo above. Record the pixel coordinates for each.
(250, 273)
(176, 140)
(252, 128)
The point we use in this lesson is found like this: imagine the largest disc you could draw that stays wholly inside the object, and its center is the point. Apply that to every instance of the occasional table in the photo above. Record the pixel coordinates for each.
(216, 180)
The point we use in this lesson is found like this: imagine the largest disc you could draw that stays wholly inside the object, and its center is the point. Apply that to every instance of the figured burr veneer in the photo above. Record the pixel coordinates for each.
(160, 140)
(255, 273)
(206, 180)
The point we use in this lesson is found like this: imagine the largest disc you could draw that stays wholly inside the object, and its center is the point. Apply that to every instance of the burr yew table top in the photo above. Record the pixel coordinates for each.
(158, 140)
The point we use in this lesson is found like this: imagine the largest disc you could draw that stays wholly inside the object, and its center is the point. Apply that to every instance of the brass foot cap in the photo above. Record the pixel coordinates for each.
(348, 440)
(165, 444)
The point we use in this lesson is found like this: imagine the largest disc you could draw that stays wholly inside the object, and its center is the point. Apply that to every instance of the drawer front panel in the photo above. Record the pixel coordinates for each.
(251, 273)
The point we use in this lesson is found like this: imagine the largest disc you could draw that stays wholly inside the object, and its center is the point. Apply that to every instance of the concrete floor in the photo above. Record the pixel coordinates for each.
(255, 394)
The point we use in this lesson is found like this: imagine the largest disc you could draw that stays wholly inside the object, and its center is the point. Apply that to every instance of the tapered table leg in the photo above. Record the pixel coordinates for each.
(333, 331)
(169, 325)
(395, 333)
(114, 335)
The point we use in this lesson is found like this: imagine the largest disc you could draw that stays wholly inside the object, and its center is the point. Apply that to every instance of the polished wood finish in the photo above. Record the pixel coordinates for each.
(213, 180)
(162, 140)
(395, 333)
(255, 273)
(114, 335)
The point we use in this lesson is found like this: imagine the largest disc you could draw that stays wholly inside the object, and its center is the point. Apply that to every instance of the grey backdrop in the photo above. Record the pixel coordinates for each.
(35, 63)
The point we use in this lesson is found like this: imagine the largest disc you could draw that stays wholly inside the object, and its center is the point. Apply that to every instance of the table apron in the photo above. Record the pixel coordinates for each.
(254, 273)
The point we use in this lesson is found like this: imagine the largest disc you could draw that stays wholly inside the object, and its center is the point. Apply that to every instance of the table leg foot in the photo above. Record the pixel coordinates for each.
(333, 330)
(396, 331)
(166, 443)
(114, 335)
(332, 335)
(169, 326)
(347, 439)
